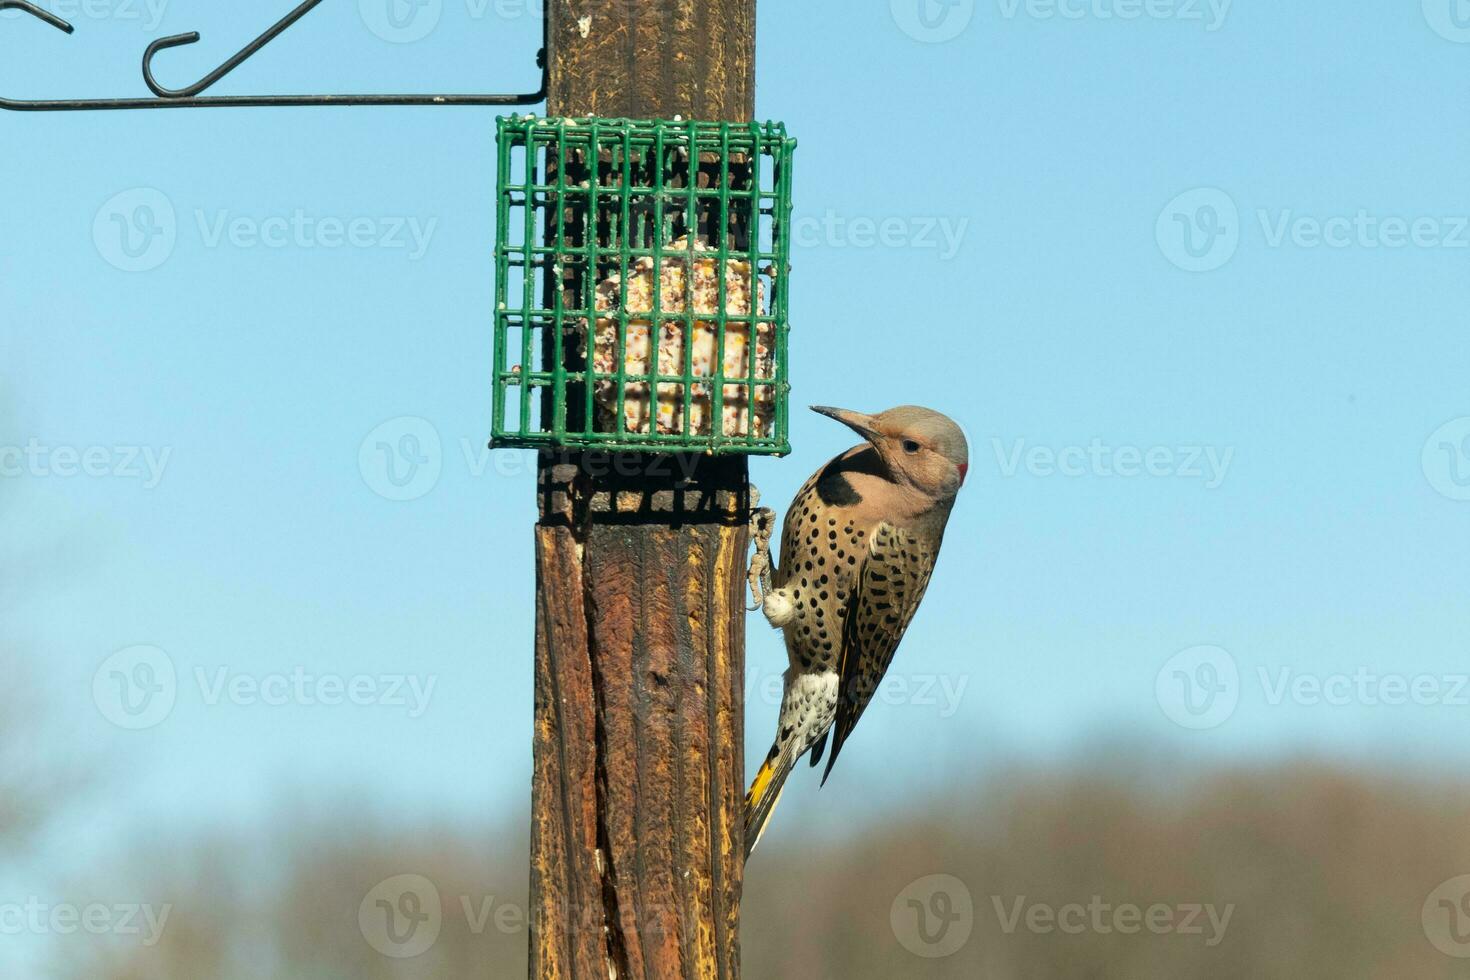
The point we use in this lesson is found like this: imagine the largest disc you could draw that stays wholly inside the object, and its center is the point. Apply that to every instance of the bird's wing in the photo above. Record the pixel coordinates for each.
(891, 583)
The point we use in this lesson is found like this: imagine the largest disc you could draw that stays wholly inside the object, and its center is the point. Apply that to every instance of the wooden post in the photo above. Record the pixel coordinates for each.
(637, 836)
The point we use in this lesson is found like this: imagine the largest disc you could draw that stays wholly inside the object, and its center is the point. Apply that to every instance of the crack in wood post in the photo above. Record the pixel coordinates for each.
(611, 919)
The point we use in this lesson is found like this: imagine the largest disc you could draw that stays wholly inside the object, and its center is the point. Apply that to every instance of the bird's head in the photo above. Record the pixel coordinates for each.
(920, 447)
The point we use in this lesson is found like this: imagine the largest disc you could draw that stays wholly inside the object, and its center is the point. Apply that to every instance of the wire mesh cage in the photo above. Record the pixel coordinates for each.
(641, 285)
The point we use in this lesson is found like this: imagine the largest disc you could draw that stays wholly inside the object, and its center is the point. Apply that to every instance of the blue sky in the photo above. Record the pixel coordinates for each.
(1193, 278)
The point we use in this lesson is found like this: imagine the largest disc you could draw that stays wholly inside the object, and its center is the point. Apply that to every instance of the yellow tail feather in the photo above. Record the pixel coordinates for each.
(761, 785)
(765, 793)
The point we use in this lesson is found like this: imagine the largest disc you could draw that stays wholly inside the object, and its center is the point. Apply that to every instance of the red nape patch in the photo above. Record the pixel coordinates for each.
(964, 470)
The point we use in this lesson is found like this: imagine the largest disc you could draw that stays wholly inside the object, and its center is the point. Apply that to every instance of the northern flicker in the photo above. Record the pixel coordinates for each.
(857, 549)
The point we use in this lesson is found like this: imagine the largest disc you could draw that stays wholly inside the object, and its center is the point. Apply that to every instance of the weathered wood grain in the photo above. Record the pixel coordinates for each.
(637, 830)
(566, 908)
(637, 838)
(653, 58)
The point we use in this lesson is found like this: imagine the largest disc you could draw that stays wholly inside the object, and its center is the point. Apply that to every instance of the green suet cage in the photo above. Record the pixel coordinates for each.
(641, 285)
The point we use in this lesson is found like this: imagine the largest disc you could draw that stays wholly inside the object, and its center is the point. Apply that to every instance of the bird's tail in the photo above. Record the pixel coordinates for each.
(765, 793)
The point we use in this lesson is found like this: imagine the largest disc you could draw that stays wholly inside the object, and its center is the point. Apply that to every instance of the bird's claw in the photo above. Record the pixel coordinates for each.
(762, 524)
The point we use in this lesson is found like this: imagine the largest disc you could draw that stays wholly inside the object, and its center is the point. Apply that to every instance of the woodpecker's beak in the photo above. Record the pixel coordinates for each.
(862, 424)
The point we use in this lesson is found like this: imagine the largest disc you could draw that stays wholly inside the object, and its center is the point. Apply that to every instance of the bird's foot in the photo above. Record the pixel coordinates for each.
(762, 525)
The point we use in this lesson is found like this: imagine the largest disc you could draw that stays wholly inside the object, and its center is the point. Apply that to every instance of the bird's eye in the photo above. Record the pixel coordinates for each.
(910, 447)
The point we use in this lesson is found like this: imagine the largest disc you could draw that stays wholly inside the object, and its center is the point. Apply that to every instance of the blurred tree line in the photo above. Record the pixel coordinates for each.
(1324, 874)
(32, 779)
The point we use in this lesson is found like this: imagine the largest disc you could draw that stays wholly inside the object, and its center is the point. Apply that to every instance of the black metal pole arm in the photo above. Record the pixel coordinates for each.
(189, 97)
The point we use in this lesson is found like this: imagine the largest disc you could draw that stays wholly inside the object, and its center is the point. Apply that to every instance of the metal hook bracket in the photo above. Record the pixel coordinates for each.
(189, 97)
